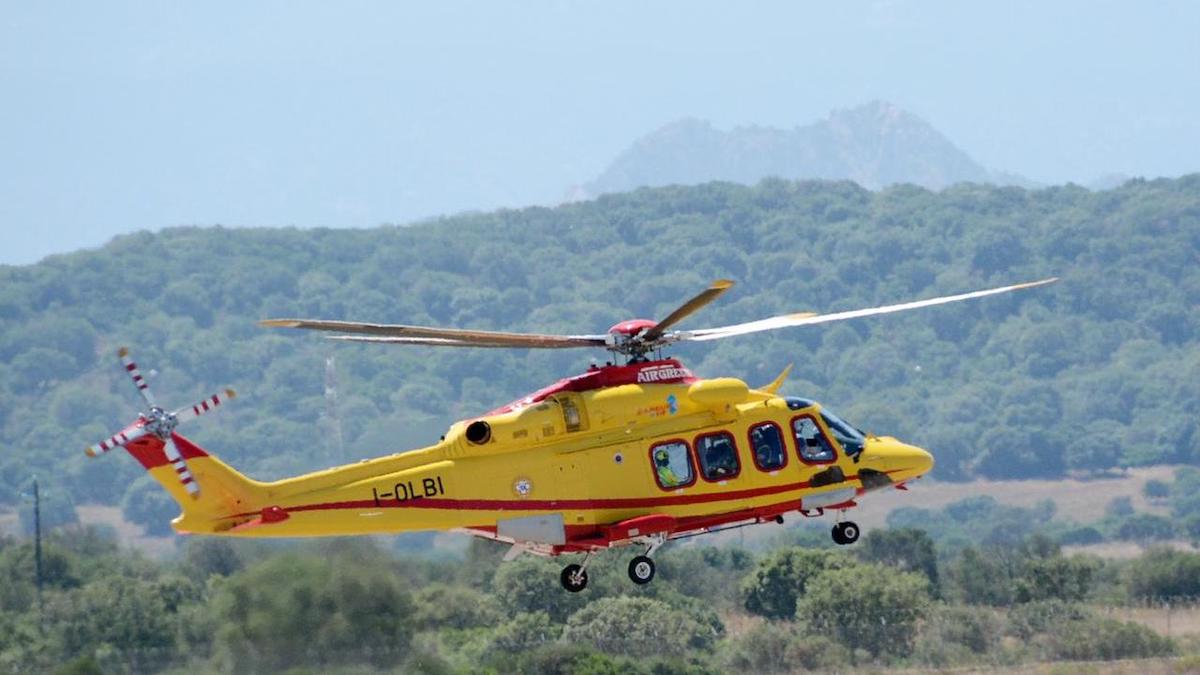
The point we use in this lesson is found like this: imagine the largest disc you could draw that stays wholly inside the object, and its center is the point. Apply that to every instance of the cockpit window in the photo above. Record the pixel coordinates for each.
(672, 464)
(852, 439)
(813, 445)
(766, 445)
(718, 456)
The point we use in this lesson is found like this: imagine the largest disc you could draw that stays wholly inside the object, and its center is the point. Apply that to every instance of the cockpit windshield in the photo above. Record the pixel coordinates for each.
(852, 439)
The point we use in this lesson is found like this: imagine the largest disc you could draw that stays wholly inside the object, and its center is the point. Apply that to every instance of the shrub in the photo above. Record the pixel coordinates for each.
(976, 628)
(1055, 577)
(1164, 573)
(870, 606)
(1106, 639)
(1145, 527)
(456, 607)
(525, 632)
(782, 577)
(296, 610)
(642, 627)
(531, 585)
(1119, 507)
(1035, 618)
(1156, 489)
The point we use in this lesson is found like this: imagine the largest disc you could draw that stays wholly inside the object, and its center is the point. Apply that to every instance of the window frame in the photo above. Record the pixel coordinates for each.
(783, 445)
(737, 457)
(687, 453)
(821, 430)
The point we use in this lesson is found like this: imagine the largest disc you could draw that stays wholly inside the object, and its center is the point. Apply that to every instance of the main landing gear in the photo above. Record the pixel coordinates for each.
(574, 577)
(641, 570)
(845, 533)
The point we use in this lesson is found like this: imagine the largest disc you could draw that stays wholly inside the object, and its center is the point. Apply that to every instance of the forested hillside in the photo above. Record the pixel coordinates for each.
(1097, 371)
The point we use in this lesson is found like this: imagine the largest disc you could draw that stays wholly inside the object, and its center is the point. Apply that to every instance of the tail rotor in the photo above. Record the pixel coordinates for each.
(159, 422)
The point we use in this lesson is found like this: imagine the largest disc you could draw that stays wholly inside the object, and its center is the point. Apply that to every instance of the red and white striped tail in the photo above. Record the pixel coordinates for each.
(117, 440)
(205, 405)
(136, 375)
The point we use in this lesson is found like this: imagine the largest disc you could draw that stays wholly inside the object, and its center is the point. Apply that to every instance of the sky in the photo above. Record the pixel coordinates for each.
(124, 116)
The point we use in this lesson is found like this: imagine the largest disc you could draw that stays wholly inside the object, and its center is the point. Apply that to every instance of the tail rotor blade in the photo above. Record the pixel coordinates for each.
(185, 414)
(138, 381)
(117, 440)
(181, 468)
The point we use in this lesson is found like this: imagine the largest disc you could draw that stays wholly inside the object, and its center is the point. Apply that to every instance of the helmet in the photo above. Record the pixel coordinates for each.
(661, 457)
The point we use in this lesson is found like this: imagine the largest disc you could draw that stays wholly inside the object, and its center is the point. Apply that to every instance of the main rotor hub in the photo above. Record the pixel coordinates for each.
(160, 422)
(626, 338)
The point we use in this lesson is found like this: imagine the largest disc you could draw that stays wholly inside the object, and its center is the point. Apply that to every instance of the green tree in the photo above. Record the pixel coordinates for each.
(149, 505)
(783, 576)
(442, 606)
(1156, 489)
(294, 610)
(530, 584)
(869, 606)
(1145, 527)
(1185, 492)
(127, 615)
(1165, 573)
(1056, 577)
(980, 579)
(909, 549)
(782, 647)
(642, 627)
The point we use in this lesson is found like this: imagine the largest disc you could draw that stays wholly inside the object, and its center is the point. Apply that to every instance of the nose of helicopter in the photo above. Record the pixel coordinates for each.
(886, 461)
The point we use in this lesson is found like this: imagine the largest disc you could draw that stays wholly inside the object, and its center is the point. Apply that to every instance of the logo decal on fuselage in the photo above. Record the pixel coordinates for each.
(663, 373)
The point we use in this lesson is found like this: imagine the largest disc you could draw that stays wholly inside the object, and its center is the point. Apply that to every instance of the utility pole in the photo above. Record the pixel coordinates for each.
(37, 551)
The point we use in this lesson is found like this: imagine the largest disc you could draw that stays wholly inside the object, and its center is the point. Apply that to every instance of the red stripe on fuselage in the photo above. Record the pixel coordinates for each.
(550, 504)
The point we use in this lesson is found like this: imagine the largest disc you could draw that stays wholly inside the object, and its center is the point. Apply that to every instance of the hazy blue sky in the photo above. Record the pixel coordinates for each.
(124, 116)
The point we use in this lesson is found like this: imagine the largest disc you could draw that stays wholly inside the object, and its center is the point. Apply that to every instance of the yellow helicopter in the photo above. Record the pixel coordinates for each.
(636, 453)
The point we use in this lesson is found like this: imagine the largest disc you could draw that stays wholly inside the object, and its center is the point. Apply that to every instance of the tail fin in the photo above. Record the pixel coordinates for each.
(224, 492)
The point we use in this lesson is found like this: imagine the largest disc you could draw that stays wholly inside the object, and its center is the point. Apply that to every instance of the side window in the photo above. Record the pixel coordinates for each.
(718, 456)
(813, 445)
(672, 464)
(766, 444)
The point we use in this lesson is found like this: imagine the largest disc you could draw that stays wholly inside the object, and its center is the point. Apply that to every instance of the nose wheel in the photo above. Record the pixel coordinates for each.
(845, 533)
(641, 570)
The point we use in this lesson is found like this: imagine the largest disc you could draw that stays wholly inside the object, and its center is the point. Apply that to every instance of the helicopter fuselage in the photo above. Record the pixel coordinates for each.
(613, 455)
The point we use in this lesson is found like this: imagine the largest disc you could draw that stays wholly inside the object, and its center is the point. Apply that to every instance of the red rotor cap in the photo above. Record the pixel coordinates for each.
(632, 327)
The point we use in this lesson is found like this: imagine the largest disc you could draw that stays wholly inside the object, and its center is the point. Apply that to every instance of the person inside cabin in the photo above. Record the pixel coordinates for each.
(662, 464)
(768, 447)
(720, 459)
(813, 445)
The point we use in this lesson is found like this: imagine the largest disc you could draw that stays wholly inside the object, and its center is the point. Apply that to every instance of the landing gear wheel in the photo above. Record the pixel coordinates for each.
(845, 533)
(574, 578)
(641, 570)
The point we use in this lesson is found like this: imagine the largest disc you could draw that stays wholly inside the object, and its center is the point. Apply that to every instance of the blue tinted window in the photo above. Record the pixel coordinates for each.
(766, 445)
(812, 444)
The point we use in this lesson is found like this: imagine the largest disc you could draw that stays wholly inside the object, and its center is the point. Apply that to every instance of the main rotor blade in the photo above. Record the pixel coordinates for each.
(444, 342)
(143, 387)
(685, 310)
(788, 320)
(442, 336)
